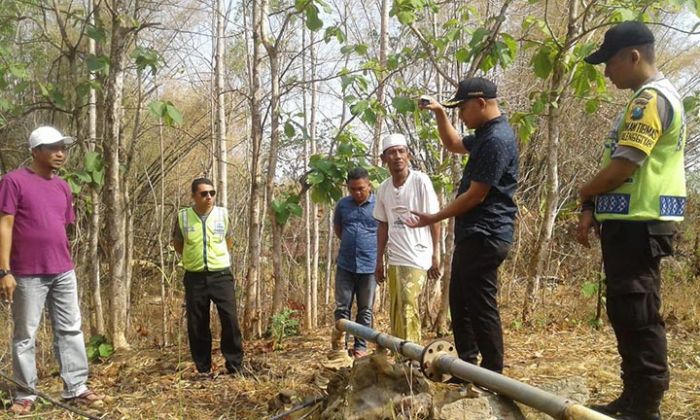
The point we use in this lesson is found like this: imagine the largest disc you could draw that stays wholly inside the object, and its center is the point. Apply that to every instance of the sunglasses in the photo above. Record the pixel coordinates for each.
(53, 148)
(204, 194)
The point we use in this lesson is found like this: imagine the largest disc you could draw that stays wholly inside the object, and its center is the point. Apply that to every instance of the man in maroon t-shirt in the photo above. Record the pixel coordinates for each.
(36, 269)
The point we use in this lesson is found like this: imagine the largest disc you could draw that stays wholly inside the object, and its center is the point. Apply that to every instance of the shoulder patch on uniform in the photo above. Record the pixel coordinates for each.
(637, 112)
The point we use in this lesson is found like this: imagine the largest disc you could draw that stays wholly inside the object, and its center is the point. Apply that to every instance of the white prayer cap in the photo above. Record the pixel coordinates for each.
(393, 140)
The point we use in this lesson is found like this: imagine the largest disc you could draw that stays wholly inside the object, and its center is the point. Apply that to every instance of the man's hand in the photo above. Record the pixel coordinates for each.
(8, 284)
(585, 223)
(419, 219)
(379, 273)
(434, 271)
(429, 103)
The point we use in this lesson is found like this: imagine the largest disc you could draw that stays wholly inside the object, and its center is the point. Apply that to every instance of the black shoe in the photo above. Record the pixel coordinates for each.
(639, 415)
(619, 405)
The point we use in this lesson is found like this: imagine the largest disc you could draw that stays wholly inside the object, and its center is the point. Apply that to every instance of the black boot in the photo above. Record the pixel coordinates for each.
(616, 406)
(642, 415)
(645, 402)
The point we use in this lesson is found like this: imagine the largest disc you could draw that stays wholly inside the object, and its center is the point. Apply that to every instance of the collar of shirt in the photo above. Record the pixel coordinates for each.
(488, 124)
(367, 201)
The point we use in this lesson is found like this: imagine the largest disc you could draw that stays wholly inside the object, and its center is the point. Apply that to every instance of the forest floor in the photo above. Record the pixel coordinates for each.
(150, 382)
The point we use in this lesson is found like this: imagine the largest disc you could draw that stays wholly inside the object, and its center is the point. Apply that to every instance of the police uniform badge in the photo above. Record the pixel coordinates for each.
(637, 113)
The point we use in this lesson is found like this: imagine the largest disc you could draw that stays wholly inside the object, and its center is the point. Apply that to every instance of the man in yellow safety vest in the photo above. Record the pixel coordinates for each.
(203, 237)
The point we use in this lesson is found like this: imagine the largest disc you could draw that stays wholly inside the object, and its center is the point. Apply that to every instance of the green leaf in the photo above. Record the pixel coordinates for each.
(98, 34)
(315, 178)
(406, 17)
(83, 89)
(691, 103)
(146, 57)
(479, 36)
(312, 20)
(300, 5)
(93, 161)
(392, 62)
(403, 104)
(581, 83)
(344, 149)
(156, 109)
(622, 15)
(510, 43)
(57, 98)
(346, 81)
(96, 340)
(361, 49)
(334, 32)
(92, 353)
(277, 206)
(173, 114)
(98, 64)
(319, 195)
(83, 176)
(294, 209)
(98, 177)
(359, 107)
(74, 186)
(487, 63)
(525, 124)
(289, 130)
(369, 116)
(462, 55)
(105, 350)
(542, 63)
(347, 49)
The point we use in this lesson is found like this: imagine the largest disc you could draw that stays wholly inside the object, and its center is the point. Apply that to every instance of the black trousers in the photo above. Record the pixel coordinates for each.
(476, 323)
(632, 252)
(200, 289)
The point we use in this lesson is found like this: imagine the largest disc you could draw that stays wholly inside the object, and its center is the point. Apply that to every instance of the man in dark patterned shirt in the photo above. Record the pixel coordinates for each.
(485, 216)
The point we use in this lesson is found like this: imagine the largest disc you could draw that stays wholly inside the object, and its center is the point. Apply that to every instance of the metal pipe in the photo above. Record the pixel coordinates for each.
(546, 402)
(398, 345)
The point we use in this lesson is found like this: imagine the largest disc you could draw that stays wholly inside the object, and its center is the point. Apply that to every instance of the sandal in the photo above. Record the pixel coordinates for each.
(88, 399)
(22, 407)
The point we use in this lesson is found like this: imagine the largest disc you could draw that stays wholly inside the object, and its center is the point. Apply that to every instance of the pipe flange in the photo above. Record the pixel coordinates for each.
(431, 352)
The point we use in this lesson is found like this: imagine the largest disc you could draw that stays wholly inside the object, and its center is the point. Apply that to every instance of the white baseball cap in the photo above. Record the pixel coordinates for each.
(393, 140)
(48, 135)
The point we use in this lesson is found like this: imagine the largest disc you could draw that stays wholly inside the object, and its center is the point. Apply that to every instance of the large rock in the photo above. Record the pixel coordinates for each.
(485, 407)
(376, 388)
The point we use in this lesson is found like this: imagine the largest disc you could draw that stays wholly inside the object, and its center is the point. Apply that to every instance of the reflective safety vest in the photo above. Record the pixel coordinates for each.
(205, 246)
(656, 190)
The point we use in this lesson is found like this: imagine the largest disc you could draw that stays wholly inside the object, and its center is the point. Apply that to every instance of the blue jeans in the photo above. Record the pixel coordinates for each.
(60, 294)
(347, 286)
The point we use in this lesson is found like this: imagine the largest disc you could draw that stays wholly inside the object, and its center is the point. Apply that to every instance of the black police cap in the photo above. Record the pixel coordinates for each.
(625, 34)
(473, 87)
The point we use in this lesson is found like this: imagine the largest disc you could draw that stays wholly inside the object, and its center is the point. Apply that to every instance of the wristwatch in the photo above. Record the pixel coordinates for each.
(3, 273)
